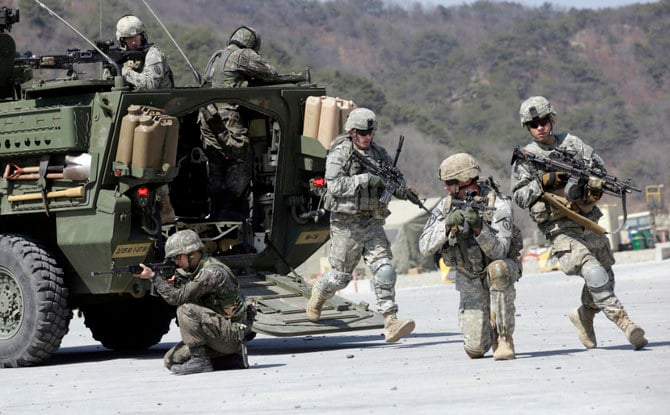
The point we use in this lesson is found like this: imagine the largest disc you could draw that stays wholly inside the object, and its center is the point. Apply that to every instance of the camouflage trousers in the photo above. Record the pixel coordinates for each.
(486, 307)
(353, 237)
(228, 149)
(201, 326)
(578, 252)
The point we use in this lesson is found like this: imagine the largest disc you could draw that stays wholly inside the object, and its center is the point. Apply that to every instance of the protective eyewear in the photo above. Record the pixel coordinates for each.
(452, 182)
(364, 133)
(541, 122)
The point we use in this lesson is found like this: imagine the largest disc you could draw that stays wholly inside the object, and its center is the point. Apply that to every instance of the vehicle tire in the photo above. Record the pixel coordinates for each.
(129, 326)
(34, 315)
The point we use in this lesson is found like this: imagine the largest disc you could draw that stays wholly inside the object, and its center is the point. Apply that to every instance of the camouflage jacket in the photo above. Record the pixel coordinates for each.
(347, 181)
(153, 73)
(212, 284)
(239, 67)
(470, 254)
(527, 185)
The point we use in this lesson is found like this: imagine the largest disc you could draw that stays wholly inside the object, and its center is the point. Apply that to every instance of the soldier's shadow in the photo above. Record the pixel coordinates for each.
(559, 352)
(316, 343)
(98, 353)
(262, 345)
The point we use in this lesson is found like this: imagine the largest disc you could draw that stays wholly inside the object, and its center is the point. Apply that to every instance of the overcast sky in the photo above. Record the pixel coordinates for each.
(581, 4)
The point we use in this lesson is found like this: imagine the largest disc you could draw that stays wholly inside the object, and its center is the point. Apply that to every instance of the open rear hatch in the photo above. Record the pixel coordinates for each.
(281, 301)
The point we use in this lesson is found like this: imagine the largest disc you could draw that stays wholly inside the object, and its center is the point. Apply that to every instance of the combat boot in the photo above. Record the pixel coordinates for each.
(198, 363)
(582, 318)
(505, 349)
(394, 329)
(314, 305)
(167, 212)
(634, 333)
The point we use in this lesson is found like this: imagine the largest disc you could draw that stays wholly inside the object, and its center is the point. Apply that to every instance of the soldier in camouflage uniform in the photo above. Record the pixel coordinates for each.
(473, 228)
(211, 309)
(580, 250)
(222, 129)
(357, 219)
(151, 72)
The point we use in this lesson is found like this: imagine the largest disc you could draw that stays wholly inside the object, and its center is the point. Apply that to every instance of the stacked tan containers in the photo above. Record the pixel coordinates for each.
(325, 118)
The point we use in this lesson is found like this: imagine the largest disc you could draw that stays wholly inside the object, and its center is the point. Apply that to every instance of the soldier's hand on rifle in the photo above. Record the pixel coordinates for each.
(593, 190)
(554, 180)
(374, 181)
(147, 273)
(400, 193)
(455, 218)
(128, 66)
(471, 216)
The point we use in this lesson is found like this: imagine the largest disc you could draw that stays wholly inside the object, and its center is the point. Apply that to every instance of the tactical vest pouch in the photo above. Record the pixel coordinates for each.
(541, 212)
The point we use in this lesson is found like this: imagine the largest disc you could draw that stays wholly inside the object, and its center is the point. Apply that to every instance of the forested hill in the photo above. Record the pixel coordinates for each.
(449, 78)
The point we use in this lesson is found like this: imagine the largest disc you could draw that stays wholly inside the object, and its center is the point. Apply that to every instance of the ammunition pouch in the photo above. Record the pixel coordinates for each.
(540, 211)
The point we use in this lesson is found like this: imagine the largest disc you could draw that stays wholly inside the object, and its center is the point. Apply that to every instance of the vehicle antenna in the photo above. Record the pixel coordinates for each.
(198, 79)
(110, 60)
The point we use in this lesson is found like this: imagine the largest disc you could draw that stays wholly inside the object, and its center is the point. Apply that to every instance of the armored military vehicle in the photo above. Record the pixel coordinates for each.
(84, 161)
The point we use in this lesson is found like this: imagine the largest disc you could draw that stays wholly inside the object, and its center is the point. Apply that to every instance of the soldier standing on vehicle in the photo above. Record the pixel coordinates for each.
(473, 228)
(223, 131)
(211, 310)
(580, 250)
(151, 71)
(357, 219)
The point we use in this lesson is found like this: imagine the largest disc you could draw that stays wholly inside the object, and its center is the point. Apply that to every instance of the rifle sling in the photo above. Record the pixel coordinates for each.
(585, 222)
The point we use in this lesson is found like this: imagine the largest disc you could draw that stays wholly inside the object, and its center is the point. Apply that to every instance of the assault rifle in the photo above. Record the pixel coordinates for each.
(162, 269)
(391, 176)
(563, 160)
(471, 200)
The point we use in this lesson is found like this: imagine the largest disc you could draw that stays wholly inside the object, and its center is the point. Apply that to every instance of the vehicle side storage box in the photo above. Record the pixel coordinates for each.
(51, 130)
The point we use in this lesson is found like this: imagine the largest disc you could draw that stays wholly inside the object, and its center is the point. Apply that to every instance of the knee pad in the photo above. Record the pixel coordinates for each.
(386, 275)
(332, 281)
(597, 282)
(500, 275)
(595, 275)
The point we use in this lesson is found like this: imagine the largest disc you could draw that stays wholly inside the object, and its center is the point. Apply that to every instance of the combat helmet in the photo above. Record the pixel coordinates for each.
(246, 37)
(183, 242)
(129, 26)
(361, 119)
(460, 166)
(534, 108)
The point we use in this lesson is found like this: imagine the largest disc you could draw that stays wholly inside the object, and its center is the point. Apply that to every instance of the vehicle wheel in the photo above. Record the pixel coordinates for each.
(34, 316)
(128, 326)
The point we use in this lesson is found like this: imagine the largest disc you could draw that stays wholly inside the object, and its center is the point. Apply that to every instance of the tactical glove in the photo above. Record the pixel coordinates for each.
(374, 181)
(400, 194)
(594, 190)
(554, 180)
(472, 217)
(455, 218)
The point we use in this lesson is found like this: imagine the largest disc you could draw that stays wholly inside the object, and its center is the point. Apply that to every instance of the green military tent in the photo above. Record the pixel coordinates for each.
(404, 227)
